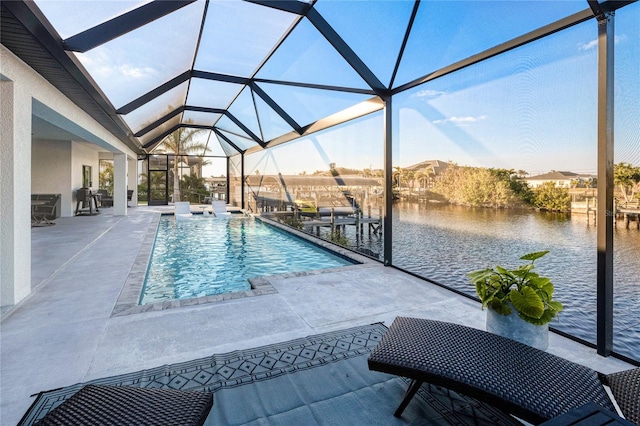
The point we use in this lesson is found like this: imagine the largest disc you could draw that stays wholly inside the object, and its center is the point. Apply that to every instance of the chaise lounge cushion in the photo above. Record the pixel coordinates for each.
(529, 383)
(123, 405)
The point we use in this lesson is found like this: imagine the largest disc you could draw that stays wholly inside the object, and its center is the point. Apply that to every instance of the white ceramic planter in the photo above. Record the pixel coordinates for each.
(514, 327)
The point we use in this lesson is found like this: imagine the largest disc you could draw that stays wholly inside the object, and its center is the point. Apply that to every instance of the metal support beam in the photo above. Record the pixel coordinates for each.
(151, 95)
(405, 40)
(359, 110)
(228, 189)
(242, 182)
(221, 111)
(107, 31)
(159, 122)
(180, 109)
(297, 7)
(317, 86)
(605, 212)
(346, 52)
(245, 129)
(552, 28)
(206, 75)
(153, 142)
(388, 188)
(227, 140)
(274, 106)
(598, 11)
(71, 78)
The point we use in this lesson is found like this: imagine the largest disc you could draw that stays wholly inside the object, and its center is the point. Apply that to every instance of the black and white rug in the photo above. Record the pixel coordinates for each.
(317, 380)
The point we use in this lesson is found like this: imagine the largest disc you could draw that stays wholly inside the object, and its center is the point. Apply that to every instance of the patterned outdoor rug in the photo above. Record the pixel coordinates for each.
(317, 380)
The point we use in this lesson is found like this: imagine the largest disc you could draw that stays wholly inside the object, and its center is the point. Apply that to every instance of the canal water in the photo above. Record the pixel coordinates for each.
(444, 242)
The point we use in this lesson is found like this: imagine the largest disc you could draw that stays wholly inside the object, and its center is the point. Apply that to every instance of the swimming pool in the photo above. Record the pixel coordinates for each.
(204, 256)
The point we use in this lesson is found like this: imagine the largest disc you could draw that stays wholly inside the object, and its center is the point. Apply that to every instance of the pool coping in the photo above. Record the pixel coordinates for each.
(127, 302)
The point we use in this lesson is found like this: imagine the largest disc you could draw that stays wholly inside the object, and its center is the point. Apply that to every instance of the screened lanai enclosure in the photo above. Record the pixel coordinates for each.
(437, 137)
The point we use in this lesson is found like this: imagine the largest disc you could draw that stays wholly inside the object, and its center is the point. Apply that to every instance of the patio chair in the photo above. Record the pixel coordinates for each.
(529, 383)
(219, 208)
(123, 405)
(44, 209)
(183, 210)
(105, 199)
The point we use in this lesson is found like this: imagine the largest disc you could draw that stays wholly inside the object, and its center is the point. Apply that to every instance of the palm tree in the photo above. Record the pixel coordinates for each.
(181, 142)
(397, 175)
(626, 176)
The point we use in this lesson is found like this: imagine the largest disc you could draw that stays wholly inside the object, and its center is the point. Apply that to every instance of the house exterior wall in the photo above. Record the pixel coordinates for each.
(51, 165)
(566, 183)
(15, 184)
(83, 155)
(25, 93)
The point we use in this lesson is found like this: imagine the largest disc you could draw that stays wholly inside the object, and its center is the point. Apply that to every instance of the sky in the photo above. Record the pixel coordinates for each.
(533, 108)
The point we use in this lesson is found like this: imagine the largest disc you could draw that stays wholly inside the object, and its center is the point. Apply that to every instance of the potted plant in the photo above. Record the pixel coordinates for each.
(519, 301)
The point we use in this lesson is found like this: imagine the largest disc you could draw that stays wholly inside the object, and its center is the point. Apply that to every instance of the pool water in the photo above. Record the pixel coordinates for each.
(204, 256)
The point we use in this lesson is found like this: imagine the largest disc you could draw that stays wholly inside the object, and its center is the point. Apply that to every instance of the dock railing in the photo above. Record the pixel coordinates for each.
(626, 211)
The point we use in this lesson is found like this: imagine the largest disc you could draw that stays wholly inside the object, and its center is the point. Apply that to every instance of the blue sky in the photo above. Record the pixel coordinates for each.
(532, 109)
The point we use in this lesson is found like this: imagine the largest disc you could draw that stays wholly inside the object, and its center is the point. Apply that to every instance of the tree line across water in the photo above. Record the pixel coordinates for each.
(504, 188)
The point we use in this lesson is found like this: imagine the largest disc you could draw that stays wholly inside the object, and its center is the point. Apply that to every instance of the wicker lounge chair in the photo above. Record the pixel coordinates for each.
(122, 405)
(529, 383)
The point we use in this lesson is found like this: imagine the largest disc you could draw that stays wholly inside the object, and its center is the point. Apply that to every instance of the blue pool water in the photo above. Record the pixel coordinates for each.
(204, 256)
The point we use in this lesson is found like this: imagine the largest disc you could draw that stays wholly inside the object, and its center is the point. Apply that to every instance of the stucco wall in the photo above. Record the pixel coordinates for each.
(51, 165)
(15, 199)
(25, 93)
(82, 155)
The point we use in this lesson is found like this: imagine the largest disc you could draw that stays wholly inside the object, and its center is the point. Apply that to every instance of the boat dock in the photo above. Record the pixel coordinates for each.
(626, 212)
(336, 218)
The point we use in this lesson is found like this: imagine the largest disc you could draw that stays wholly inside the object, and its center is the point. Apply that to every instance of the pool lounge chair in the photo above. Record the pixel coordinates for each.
(183, 210)
(529, 383)
(219, 208)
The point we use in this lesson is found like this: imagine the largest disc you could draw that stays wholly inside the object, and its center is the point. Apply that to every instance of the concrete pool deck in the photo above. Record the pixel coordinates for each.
(65, 331)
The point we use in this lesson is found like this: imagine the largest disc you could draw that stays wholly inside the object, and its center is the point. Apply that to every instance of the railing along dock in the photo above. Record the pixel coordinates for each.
(628, 212)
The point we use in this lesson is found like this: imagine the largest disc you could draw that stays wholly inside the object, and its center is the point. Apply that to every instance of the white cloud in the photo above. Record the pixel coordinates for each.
(428, 94)
(460, 121)
(594, 43)
(101, 65)
(137, 72)
(588, 46)
(620, 38)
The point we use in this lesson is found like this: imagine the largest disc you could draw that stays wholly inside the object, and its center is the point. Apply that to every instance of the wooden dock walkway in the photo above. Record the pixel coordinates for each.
(336, 219)
(628, 212)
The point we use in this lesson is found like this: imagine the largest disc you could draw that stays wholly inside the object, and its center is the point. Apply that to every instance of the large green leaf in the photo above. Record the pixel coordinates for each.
(546, 317)
(547, 287)
(556, 306)
(538, 281)
(502, 270)
(480, 275)
(535, 255)
(527, 302)
(499, 307)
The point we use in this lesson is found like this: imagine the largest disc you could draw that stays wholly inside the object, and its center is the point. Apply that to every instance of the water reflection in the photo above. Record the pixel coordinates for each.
(444, 242)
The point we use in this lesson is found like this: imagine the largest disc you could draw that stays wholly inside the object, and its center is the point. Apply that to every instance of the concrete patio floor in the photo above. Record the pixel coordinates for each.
(64, 332)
